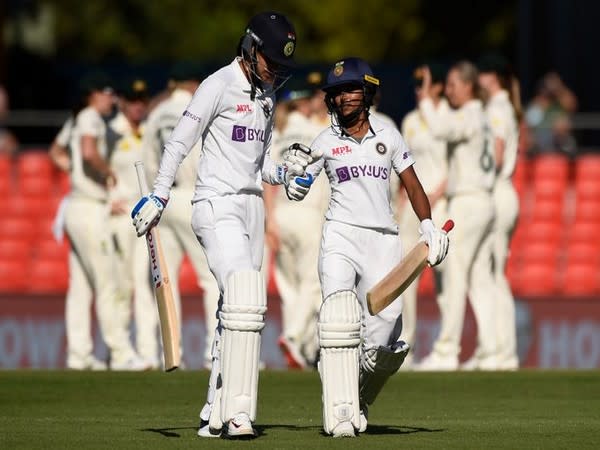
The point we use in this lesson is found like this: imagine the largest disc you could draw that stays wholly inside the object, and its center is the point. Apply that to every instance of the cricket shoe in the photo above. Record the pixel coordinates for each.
(206, 431)
(89, 363)
(364, 416)
(435, 363)
(470, 364)
(134, 364)
(292, 354)
(343, 429)
(240, 427)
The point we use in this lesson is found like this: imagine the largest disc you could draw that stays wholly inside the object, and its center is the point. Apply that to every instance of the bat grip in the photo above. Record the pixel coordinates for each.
(448, 225)
(141, 176)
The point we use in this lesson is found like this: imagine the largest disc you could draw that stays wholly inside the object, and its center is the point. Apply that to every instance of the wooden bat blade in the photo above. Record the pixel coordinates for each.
(399, 278)
(167, 314)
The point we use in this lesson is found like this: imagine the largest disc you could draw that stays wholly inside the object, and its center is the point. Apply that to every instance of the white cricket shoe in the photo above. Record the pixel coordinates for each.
(89, 363)
(240, 427)
(470, 364)
(436, 363)
(133, 364)
(343, 429)
(364, 416)
(206, 431)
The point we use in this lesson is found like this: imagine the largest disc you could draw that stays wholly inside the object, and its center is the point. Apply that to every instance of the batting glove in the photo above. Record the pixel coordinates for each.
(436, 240)
(298, 187)
(297, 157)
(146, 213)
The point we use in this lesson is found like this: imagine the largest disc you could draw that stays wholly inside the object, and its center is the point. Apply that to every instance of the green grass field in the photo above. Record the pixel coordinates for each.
(155, 410)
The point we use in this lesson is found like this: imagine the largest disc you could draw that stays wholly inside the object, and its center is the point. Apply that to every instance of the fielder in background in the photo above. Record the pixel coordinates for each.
(125, 146)
(232, 113)
(503, 109)
(293, 232)
(431, 167)
(177, 237)
(471, 174)
(360, 244)
(86, 215)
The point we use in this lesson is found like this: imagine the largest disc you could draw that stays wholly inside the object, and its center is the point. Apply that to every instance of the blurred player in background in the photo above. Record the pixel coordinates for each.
(86, 215)
(293, 232)
(232, 112)
(177, 237)
(431, 167)
(125, 146)
(503, 110)
(471, 174)
(360, 245)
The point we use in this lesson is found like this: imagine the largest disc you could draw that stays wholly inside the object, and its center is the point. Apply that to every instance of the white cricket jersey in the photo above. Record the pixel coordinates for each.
(127, 150)
(63, 138)
(158, 128)
(85, 180)
(300, 129)
(471, 165)
(236, 133)
(359, 174)
(503, 123)
(430, 153)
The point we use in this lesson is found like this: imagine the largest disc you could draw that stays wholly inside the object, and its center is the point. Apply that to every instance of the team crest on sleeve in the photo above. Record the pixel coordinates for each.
(381, 148)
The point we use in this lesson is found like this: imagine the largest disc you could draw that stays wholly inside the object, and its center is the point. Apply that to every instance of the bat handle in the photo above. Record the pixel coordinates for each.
(141, 176)
(448, 225)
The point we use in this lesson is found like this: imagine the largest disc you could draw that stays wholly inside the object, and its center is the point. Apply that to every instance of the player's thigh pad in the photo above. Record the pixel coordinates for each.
(377, 365)
(339, 338)
(242, 319)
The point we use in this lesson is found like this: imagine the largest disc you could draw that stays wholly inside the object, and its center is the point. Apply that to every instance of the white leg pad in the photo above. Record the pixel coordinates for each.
(242, 318)
(377, 365)
(339, 338)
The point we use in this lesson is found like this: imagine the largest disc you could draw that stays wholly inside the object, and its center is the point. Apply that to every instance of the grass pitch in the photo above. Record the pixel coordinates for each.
(152, 410)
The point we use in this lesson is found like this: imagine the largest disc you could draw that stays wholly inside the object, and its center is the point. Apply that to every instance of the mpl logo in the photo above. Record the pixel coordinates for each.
(346, 173)
(338, 151)
(243, 134)
(243, 109)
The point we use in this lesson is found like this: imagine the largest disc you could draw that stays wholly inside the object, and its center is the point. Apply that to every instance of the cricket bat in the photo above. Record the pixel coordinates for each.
(400, 277)
(169, 323)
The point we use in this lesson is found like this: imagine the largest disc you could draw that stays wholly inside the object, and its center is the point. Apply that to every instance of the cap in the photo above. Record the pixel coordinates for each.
(135, 89)
(275, 37)
(494, 62)
(438, 74)
(350, 70)
(185, 71)
(96, 81)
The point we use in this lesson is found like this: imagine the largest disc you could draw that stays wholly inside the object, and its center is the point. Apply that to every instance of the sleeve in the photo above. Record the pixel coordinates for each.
(498, 123)
(401, 156)
(191, 126)
(272, 172)
(89, 123)
(64, 135)
(448, 125)
(315, 168)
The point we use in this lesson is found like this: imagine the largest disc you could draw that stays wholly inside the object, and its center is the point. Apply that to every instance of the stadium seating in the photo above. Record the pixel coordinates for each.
(50, 275)
(34, 163)
(580, 279)
(14, 275)
(537, 279)
(187, 278)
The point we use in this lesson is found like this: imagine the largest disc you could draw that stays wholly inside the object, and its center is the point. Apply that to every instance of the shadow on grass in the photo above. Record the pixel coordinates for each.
(400, 429)
(169, 432)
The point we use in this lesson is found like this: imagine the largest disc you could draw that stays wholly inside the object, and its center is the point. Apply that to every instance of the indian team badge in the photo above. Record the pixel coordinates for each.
(288, 49)
(381, 148)
(339, 69)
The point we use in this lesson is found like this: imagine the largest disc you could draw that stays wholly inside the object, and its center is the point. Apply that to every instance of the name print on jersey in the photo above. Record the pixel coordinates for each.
(337, 151)
(346, 173)
(243, 134)
(186, 113)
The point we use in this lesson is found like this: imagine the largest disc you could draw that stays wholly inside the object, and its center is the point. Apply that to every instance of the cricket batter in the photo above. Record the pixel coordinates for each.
(232, 113)
(360, 244)
(132, 257)
(431, 168)
(471, 173)
(297, 229)
(86, 215)
(177, 237)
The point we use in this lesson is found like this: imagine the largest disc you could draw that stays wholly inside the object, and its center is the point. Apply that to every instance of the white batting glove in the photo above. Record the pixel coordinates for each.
(298, 187)
(146, 213)
(436, 240)
(297, 157)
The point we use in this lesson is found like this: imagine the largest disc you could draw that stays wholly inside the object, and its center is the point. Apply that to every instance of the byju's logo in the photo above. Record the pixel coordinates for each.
(238, 134)
(243, 134)
(347, 173)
